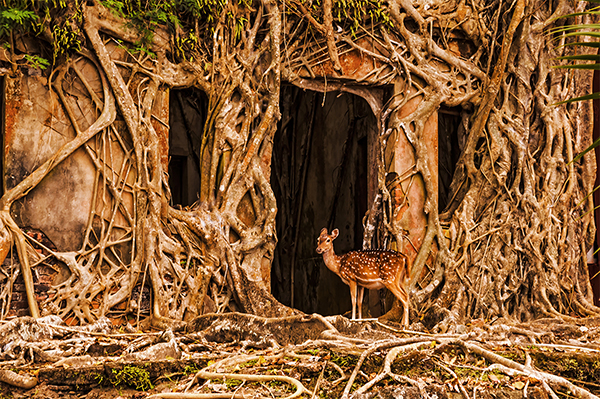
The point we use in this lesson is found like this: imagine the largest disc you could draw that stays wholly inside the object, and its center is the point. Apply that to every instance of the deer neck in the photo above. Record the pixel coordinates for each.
(332, 261)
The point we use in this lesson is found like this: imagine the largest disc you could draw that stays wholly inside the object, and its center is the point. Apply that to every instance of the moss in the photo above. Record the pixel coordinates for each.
(373, 364)
(132, 376)
(191, 369)
(467, 372)
(514, 356)
(582, 367)
(249, 363)
(232, 383)
(344, 361)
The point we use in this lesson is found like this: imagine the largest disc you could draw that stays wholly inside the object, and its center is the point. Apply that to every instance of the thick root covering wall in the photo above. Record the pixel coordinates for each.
(511, 242)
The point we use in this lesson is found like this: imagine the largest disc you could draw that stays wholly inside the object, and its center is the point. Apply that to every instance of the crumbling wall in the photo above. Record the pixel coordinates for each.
(35, 127)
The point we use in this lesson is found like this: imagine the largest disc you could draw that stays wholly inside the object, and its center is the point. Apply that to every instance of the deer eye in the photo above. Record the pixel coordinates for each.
(328, 240)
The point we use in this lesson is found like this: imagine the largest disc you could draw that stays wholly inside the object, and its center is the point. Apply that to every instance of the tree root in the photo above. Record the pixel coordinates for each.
(511, 366)
(18, 380)
(373, 358)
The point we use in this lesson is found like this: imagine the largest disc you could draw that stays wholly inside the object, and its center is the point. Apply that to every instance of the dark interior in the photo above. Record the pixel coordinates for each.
(187, 115)
(449, 120)
(320, 177)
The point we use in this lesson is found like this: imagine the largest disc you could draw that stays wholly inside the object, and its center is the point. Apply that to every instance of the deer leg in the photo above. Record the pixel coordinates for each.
(405, 314)
(353, 288)
(401, 294)
(361, 292)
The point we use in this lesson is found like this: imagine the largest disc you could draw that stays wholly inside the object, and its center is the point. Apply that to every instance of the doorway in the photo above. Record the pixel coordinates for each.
(320, 176)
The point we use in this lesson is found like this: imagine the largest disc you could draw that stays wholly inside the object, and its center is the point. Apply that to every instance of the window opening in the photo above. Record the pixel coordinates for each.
(187, 115)
(449, 121)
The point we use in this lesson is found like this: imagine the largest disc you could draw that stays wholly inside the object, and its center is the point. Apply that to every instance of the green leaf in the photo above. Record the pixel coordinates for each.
(567, 28)
(581, 57)
(19, 17)
(36, 61)
(581, 30)
(594, 67)
(593, 96)
(584, 44)
(593, 11)
(595, 144)
(590, 34)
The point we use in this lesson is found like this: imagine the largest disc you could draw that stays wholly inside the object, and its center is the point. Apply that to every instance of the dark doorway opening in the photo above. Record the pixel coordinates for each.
(320, 175)
(449, 123)
(187, 115)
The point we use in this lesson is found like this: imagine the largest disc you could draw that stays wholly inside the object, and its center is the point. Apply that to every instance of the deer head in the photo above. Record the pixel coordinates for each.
(325, 241)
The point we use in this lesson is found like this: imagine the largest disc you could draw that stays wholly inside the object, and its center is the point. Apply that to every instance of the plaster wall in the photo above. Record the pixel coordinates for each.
(36, 126)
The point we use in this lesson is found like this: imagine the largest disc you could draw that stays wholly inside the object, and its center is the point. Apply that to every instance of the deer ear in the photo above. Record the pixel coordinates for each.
(334, 234)
(324, 231)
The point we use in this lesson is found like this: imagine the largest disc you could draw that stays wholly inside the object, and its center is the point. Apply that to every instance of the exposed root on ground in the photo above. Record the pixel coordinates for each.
(240, 355)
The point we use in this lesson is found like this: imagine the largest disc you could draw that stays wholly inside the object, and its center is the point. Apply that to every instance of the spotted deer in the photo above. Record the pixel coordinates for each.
(373, 269)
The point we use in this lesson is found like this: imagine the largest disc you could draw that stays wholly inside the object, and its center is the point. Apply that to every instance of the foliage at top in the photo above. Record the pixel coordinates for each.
(192, 22)
(55, 19)
(347, 14)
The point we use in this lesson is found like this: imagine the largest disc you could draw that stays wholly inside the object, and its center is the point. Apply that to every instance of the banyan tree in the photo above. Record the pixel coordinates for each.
(164, 159)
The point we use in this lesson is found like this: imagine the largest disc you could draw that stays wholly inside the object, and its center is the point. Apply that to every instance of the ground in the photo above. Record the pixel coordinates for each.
(239, 355)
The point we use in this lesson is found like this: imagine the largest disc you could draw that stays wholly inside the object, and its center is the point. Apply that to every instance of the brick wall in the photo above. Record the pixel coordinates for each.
(43, 277)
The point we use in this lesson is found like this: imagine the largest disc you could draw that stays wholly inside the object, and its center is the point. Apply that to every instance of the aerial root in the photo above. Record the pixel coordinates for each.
(18, 380)
(372, 349)
(548, 381)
